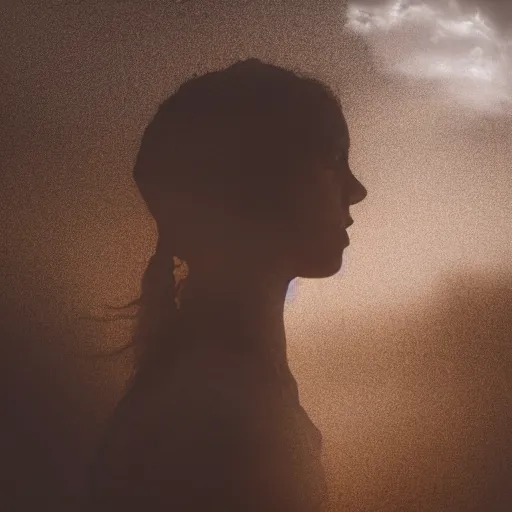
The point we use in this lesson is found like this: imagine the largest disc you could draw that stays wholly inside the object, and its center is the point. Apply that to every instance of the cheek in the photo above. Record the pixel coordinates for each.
(332, 196)
(318, 213)
(302, 217)
(320, 200)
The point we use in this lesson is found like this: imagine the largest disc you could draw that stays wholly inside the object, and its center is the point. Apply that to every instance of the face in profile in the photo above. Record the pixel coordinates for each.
(321, 198)
(300, 233)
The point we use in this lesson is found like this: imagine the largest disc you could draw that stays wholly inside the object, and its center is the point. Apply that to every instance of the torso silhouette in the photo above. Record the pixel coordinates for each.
(223, 430)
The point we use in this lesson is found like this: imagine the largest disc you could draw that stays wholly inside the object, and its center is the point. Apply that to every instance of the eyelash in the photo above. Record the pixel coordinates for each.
(340, 159)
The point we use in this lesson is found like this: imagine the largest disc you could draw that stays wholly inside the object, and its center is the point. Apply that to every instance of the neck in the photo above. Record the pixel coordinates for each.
(239, 309)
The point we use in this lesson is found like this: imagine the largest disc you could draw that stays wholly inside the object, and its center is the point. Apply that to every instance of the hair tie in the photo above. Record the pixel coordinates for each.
(180, 273)
(164, 266)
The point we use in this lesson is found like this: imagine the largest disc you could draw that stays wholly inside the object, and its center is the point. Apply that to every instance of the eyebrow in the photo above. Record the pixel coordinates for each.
(344, 148)
(343, 138)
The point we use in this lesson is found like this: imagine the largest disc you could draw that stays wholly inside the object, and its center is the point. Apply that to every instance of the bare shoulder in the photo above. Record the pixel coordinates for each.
(207, 379)
(213, 375)
(207, 386)
(200, 413)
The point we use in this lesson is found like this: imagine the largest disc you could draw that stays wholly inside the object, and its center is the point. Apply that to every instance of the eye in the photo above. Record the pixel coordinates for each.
(340, 158)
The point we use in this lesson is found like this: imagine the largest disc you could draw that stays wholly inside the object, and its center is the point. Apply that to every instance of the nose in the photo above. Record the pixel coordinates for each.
(357, 191)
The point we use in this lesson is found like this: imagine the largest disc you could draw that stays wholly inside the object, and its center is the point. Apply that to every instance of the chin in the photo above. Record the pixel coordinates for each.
(323, 269)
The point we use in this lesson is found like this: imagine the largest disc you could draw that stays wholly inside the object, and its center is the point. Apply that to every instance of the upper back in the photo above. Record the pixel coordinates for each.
(216, 408)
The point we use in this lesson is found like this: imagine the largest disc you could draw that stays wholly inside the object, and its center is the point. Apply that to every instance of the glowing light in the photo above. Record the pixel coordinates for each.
(292, 291)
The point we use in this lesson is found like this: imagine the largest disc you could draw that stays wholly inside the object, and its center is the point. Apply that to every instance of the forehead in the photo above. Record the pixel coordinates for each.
(329, 131)
(309, 132)
(344, 135)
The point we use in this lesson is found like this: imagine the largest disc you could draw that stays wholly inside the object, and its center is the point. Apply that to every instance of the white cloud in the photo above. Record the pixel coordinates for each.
(461, 50)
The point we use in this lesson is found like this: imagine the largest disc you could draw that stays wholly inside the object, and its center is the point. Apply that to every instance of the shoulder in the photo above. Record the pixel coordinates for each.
(208, 408)
(201, 422)
(204, 397)
(207, 383)
(206, 386)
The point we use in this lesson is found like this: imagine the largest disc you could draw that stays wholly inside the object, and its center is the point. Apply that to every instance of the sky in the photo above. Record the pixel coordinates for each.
(446, 164)
(426, 88)
(441, 163)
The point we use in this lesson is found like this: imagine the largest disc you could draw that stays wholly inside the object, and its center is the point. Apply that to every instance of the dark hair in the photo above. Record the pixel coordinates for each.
(240, 132)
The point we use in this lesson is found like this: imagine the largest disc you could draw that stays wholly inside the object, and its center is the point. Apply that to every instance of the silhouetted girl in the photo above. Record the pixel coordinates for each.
(245, 172)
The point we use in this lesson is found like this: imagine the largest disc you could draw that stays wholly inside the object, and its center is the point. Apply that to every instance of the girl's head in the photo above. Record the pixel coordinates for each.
(245, 171)
(250, 164)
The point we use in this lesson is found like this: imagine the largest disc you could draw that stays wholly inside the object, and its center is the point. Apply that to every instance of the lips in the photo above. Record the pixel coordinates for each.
(349, 222)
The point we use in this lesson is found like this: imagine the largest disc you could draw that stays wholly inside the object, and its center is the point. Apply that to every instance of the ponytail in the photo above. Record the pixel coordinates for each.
(158, 311)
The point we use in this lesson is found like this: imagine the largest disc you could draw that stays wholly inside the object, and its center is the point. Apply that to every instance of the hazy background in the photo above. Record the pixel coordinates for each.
(403, 359)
